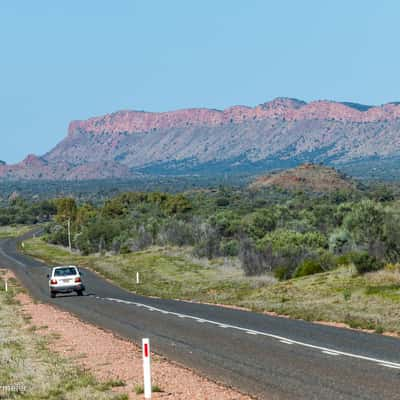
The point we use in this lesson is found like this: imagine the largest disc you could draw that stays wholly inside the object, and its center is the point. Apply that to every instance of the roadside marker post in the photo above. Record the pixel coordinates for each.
(6, 284)
(137, 278)
(146, 368)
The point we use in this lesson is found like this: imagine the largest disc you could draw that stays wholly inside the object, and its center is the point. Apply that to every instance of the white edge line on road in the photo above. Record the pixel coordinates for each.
(384, 363)
(12, 258)
(286, 341)
(389, 365)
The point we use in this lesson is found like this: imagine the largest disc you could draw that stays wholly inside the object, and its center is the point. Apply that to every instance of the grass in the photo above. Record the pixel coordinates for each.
(139, 389)
(370, 301)
(14, 231)
(162, 273)
(31, 371)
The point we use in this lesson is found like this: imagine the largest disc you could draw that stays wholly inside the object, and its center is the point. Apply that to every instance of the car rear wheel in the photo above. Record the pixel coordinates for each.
(52, 295)
(79, 292)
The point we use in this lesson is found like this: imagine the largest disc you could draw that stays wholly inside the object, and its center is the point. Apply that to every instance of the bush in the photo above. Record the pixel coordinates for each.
(344, 259)
(260, 222)
(176, 232)
(340, 241)
(365, 263)
(365, 223)
(282, 273)
(226, 223)
(142, 240)
(252, 259)
(207, 242)
(308, 267)
(230, 248)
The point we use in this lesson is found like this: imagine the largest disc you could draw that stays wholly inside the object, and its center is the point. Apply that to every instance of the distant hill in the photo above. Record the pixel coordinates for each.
(281, 133)
(307, 177)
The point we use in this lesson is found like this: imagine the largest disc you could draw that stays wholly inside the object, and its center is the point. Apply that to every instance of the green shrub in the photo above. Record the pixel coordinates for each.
(365, 263)
(347, 294)
(230, 248)
(340, 241)
(344, 259)
(308, 267)
(379, 329)
(139, 389)
(282, 273)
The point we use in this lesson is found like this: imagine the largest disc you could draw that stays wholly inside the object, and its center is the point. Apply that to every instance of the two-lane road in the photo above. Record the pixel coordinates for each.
(268, 357)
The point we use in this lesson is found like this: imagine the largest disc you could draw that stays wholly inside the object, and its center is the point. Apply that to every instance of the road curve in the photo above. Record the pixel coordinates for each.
(267, 357)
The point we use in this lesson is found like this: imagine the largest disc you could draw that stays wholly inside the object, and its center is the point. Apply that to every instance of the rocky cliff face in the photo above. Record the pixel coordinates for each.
(282, 132)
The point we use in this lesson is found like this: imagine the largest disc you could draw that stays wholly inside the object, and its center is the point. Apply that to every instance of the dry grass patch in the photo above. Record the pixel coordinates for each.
(14, 231)
(30, 370)
(370, 301)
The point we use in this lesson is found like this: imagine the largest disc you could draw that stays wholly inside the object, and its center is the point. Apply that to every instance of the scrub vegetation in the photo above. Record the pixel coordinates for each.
(289, 234)
(367, 301)
(309, 254)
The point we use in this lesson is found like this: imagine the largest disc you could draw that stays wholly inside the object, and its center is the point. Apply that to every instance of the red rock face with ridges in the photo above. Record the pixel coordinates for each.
(114, 145)
(288, 109)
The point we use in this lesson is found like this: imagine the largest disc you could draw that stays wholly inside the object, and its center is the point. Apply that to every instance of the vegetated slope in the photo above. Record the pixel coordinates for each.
(307, 177)
(276, 134)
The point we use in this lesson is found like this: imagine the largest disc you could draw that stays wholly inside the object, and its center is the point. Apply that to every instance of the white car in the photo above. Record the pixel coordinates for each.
(65, 279)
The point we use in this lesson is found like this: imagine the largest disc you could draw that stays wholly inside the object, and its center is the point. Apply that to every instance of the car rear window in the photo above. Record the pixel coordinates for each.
(65, 271)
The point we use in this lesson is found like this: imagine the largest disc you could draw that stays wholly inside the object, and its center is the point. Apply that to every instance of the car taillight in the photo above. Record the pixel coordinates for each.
(53, 281)
(77, 280)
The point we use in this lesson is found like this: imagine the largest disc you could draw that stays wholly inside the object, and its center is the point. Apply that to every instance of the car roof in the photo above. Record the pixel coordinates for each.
(65, 266)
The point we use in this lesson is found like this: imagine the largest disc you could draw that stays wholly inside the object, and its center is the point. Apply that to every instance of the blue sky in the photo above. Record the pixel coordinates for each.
(65, 60)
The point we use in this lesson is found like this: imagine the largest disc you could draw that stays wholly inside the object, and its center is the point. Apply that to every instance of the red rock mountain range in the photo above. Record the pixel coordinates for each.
(281, 132)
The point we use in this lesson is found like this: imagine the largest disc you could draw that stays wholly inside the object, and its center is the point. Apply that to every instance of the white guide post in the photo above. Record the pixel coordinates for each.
(137, 278)
(6, 284)
(69, 235)
(146, 368)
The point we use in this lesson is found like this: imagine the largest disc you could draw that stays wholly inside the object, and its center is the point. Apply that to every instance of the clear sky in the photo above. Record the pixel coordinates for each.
(73, 59)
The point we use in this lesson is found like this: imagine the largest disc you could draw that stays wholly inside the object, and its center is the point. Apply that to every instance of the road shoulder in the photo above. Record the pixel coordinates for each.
(113, 359)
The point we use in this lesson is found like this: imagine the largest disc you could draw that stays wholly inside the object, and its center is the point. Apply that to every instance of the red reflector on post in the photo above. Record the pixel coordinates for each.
(146, 368)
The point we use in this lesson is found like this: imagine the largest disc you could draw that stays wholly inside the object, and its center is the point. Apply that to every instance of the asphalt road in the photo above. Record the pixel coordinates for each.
(268, 357)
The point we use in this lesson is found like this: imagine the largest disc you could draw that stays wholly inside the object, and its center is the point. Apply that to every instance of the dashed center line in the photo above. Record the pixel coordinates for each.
(282, 339)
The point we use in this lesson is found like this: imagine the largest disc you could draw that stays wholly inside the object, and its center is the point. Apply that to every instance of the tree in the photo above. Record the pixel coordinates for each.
(260, 222)
(66, 209)
(84, 214)
(177, 204)
(366, 224)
